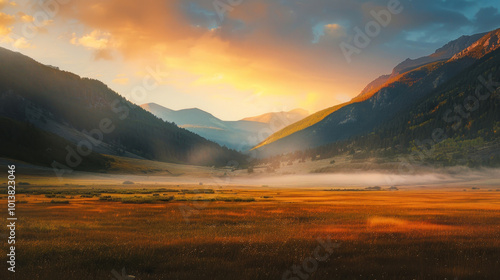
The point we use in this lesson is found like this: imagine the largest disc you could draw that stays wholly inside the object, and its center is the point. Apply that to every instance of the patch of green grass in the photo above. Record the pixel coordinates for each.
(137, 199)
(235, 199)
(59, 201)
(198, 191)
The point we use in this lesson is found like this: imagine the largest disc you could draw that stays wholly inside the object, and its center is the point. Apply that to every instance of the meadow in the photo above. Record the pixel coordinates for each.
(189, 232)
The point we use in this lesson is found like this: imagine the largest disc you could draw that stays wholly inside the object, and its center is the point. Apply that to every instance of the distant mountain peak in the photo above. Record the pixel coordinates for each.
(456, 46)
(444, 53)
(300, 111)
(153, 105)
(239, 135)
(292, 116)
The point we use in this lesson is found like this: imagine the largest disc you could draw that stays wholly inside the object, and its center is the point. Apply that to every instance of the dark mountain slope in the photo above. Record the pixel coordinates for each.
(361, 117)
(25, 142)
(458, 123)
(385, 81)
(66, 105)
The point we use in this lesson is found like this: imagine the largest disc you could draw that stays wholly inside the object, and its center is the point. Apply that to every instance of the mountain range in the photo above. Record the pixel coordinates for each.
(241, 135)
(411, 82)
(55, 118)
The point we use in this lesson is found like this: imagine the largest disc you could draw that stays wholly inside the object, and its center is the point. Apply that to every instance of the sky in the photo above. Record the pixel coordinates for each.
(237, 58)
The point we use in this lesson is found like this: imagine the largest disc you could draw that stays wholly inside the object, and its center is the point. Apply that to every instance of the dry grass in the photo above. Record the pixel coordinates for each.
(383, 235)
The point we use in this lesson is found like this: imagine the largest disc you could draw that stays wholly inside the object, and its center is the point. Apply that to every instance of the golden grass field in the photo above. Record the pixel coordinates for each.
(255, 233)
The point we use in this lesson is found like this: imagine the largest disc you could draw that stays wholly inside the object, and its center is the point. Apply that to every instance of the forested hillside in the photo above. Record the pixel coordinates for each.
(60, 101)
(459, 123)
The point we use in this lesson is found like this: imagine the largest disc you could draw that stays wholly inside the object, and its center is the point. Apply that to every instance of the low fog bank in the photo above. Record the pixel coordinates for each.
(457, 178)
(366, 179)
(192, 176)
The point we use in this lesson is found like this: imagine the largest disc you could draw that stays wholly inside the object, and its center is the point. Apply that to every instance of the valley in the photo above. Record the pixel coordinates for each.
(240, 135)
(239, 140)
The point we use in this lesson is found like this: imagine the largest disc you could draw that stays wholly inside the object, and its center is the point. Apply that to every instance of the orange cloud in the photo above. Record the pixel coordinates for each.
(4, 3)
(94, 40)
(5, 23)
(258, 61)
(98, 41)
(334, 29)
(22, 43)
(26, 18)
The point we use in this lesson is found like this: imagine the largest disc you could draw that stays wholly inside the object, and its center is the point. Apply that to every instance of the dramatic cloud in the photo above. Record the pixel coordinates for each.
(264, 49)
(486, 19)
(269, 51)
